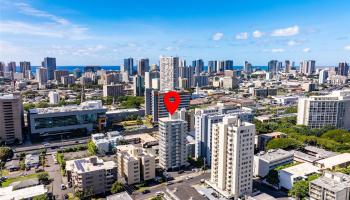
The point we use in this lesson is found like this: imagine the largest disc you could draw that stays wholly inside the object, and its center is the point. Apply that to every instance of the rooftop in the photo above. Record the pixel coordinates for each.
(87, 105)
(25, 193)
(273, 134)
(303, 156)
(9, 96)
(333, 181)
(334, 160)
(320, 153)
(88, 164)
(119, 196)
(302, 169)
(262, 196)
(123, 110)
(274, 155)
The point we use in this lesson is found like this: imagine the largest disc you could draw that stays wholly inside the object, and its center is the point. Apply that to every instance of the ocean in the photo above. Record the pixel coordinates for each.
(117, 68)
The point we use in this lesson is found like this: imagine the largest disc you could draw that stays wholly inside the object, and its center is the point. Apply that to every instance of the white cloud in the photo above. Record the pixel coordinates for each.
(89, 50)
(306, 50)
(289, 31)
(257, 34)
(293, 43)
(217, 36)
(48, 30)
(242, 36)
(29, 10)
(17, 27)
(347, 48)
(171, 48)
(278, 50)
(51, 26)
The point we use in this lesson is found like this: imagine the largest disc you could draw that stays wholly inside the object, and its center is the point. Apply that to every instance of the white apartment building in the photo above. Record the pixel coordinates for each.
(266, 161)
(308, 67)
(169, 73)
(232, 157)
(172, 141)
(41, 76)
(205, 118)
(319, 111)
(105, 143)
(322, 78)
(91, 173)
(135, 164)
(54, 98)
(335, 186)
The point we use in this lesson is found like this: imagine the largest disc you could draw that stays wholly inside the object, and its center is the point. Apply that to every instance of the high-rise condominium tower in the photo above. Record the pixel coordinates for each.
(172, 141)
(198, 66)
(11, 118)
(129, 65)
(41, 76)
(308, 67)
(25, 68)
(232, 157)
(248, 67)
(50, 65)
(320, 111)
(169, 73)
(143, 66)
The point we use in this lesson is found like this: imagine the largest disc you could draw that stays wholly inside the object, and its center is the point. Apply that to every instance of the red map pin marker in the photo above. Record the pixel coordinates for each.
(172, 101)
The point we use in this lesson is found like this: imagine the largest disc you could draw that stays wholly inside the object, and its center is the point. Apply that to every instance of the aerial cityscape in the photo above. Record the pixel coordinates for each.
(175, 100)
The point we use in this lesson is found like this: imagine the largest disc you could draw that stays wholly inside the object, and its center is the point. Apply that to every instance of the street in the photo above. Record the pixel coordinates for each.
(57, 179)
(179, 182)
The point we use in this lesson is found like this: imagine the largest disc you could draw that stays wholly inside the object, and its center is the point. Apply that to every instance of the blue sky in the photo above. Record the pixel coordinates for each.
(104, 32)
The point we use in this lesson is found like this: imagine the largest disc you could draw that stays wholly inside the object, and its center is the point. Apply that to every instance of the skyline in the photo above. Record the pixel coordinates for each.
(103, 34)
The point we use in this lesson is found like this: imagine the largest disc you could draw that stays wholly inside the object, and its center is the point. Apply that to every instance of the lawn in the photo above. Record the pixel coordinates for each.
(20, 178)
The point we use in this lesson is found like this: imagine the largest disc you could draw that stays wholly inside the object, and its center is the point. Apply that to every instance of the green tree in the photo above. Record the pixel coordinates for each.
(117, 187)
(92, 148)
(5, 153)
(341, 136)
(284, 143)
(292, 109)
(28, 106)
(22, 165)
(157, 198)
(44, 178)
(300, 189)
(41, 197)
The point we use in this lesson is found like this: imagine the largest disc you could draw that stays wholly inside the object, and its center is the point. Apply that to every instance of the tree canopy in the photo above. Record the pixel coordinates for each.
(5, 153)
(117, 187)
(92, 149)
(284, 143)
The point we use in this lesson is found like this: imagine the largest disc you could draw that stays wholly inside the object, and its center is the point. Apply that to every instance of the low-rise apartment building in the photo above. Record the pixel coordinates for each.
(335, 186)
(91, 174)
(135, 164)
(105, 143)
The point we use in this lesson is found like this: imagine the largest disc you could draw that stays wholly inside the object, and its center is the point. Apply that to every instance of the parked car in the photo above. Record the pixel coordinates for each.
(63, 187)
(181, 171)
(146, 191)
